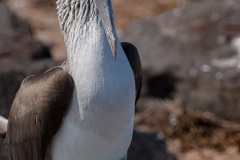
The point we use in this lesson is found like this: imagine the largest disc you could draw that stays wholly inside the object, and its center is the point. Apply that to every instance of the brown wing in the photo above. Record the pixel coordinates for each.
(135, 62)
(37, 113)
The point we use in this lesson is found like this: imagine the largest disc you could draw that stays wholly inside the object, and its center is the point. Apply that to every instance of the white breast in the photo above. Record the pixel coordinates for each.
(99, 123)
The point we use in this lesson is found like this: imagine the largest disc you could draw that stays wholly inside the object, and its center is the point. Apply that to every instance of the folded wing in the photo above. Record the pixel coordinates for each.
(37, 113)
(135, 62)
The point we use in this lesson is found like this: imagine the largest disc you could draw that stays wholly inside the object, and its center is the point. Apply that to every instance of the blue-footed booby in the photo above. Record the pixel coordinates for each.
(84, 109)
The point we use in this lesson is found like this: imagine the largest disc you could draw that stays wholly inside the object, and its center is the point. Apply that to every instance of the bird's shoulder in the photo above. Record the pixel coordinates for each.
(39, 92)
(37, 113)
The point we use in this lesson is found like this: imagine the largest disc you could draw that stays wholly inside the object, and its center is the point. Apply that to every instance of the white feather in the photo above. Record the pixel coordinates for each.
(3, 125)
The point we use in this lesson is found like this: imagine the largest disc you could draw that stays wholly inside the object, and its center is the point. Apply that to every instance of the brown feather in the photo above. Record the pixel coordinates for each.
(37, 113)
(135, 62)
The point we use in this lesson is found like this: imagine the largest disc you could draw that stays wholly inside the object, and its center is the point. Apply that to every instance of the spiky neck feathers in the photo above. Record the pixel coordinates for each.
(73, 15)
(75, 12)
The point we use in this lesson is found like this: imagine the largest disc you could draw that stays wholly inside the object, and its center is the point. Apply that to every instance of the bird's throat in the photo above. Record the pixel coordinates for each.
(82, 21)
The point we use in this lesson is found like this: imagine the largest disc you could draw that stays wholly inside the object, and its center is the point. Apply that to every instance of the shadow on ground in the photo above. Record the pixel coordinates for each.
(147, 146)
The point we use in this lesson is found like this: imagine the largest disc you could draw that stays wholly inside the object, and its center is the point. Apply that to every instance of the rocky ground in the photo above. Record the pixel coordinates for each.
(189, 108)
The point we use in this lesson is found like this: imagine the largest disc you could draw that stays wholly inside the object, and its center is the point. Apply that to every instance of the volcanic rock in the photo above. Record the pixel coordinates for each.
(183, 53)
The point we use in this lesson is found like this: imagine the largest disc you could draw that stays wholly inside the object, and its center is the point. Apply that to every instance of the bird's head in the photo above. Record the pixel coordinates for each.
(70, 11)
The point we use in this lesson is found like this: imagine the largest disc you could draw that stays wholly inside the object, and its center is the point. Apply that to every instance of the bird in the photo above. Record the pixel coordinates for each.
(83, 109)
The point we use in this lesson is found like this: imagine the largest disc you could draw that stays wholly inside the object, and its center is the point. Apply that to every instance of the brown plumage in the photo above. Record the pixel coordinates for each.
(37, 113)
(134, 60)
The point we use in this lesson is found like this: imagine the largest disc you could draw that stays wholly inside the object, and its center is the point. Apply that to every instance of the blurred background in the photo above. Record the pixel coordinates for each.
(190, 52)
